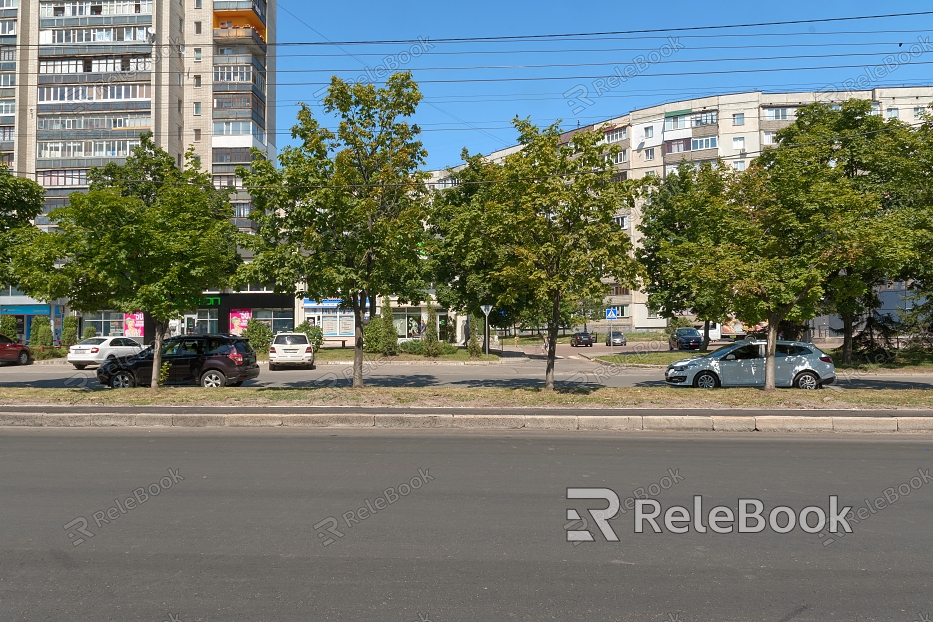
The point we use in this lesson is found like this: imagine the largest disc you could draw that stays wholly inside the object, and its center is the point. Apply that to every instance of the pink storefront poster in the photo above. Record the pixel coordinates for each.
(239, 318)
(133, 324)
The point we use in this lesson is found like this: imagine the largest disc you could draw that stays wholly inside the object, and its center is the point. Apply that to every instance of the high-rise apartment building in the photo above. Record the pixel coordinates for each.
(80, 80)
(734, 128)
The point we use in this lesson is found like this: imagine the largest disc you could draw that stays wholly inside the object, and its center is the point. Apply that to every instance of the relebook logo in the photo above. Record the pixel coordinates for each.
(748, 515)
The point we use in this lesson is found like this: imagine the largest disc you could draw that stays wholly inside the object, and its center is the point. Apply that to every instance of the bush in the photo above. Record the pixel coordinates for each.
(475, 343)
(389, 334)
(49, 353)
(416, 347)
(8, 326)
(258, 335)
(315, 334)
(38, 335)
(69, 331)
(432, 346)
(373, 336)
(89, 331)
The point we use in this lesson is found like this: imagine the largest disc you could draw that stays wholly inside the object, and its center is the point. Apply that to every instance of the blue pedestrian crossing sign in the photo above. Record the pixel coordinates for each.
(612, 315)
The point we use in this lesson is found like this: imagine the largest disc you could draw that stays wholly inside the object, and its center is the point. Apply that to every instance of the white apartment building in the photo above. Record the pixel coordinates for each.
(734, 127)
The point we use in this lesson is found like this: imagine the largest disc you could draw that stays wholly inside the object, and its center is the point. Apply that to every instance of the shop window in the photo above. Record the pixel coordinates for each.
(207, 322)
(106, 323)
(279, 320)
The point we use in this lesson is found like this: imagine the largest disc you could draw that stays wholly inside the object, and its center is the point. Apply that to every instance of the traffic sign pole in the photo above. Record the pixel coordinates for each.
(611, 315)
(486, 309)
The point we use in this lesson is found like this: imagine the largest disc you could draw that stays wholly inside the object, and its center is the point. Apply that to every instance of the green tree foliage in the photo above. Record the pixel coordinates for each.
(21, 201)
(477, 332)
(258, 334)
(8, 326)
(799, 220)
(146, 237)
(373, 335)
(89, 331)
(588, 309)
(547, 216)
(342, 215)
(432, 345)
(688, 226)
(69, 331)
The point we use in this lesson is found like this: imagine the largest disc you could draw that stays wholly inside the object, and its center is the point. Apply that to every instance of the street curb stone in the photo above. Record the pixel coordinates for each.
(794, 424)
(693, 424)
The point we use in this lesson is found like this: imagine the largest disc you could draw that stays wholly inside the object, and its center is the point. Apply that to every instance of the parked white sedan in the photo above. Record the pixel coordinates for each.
(96, 350)
(796, 364)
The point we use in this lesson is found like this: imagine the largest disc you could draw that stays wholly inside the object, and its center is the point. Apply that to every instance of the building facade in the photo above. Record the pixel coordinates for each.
(734, 128)
(80, 80)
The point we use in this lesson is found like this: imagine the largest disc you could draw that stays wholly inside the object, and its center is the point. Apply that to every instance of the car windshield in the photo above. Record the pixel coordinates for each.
(617, 334)
(688, 332)
(94, 341)
(720, 352)
(291, 340)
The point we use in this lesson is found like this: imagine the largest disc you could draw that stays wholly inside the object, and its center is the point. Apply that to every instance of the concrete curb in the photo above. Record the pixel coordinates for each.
(648, 423)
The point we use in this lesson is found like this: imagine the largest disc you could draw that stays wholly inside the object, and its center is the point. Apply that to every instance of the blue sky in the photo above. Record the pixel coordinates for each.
(462, 110)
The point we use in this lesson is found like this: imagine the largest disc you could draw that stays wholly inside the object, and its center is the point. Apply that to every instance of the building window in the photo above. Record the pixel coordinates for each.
(76, 177)
(649, 131)
(770, 138)
(875, 109)
(197, 28)
(738, 118)
(776, 114)
(618, 290)
(649, 154)
(198, 4)
(739, 165)
(279, 320)
(738, 143)
(676, 123)
(207, 322)
(621, 310)
(106, 323)
(197, 55)
(919, 112)
(197, 108)
(622, 157)
(704, 143)
(7, 132)
(616, 135)
(710, 117)
(232, 155)
(893, 113)
(197, 136)
(197, 82)
(622, 221)
(678, 146)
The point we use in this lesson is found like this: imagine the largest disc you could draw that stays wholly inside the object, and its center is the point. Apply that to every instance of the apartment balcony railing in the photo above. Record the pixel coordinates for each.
(256, 6)
(249, 37)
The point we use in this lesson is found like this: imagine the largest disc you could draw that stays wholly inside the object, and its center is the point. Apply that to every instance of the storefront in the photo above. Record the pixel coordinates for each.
(334, 321)
(230, 313)
(25, 314)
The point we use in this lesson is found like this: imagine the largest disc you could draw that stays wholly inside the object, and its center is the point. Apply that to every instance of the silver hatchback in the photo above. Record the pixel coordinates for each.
(742, 364)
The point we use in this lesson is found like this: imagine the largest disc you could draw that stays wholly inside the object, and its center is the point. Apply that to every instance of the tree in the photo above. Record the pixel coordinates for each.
(475, 341)
(146, 237)
(69, 331)
(343, 215)
(258, 334)
(315, 334)
(21, 201)
(549, 216)
(588, 309)
(798, 219)
(8, 326)
(389, 333)
(876, 156)
(687, 223)
(37, 336)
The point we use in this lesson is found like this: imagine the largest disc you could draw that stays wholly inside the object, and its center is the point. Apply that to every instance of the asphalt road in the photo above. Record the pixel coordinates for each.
(517, 373)
(483, 539)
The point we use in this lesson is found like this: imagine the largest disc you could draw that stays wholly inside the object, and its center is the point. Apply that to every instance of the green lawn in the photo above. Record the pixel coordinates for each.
(570, 397)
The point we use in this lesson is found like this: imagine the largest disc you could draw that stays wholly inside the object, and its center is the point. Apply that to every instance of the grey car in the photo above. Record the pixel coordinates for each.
(616, 338)
(742, 364)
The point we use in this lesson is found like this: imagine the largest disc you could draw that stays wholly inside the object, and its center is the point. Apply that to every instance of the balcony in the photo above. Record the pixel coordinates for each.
(258, 7)
(249, 37)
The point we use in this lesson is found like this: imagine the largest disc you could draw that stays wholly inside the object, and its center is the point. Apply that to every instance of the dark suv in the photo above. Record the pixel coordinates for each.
(206, 360)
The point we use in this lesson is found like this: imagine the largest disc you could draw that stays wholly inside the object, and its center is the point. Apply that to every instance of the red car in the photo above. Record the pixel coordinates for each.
(11, 350)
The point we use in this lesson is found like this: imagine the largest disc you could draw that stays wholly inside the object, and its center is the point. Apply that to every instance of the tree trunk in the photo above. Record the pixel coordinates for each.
(357, 344)
(774, 322)
(160, 329)
(552, 344)
(705, 345)
(848, 328)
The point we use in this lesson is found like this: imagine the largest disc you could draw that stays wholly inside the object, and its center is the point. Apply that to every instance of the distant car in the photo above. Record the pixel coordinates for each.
(616, 338)
(685, 339)
(14, 352)
(96, 350)
(291, 349)
(581, 339)
(210, 361)
(742, 364)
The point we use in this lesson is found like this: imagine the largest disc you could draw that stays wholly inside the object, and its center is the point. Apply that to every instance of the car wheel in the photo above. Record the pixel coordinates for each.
(23, 358)
(706, 380)
(122, 380)
(807, 381)
(213, 379)
(79, 366)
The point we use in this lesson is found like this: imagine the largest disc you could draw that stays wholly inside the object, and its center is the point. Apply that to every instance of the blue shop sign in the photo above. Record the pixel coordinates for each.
(25, 310)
